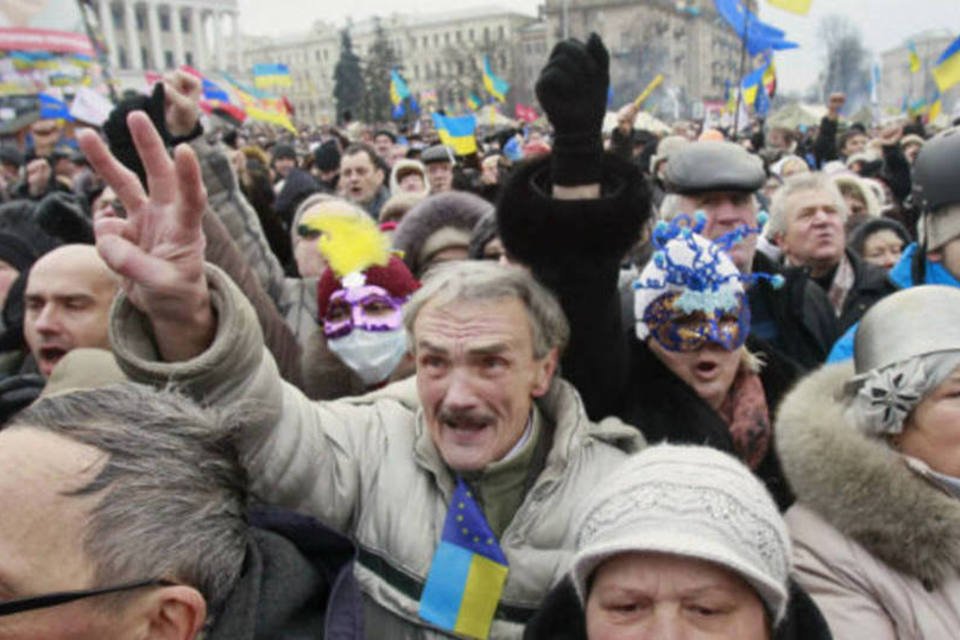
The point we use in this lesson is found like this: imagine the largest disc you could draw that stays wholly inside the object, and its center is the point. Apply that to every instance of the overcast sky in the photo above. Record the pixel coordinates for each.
(884, 24)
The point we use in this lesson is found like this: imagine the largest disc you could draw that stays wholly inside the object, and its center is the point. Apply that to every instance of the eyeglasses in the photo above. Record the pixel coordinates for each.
(308, 233)
(53, 599)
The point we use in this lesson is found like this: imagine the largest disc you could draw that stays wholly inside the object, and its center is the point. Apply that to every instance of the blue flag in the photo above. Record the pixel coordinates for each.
(757, 35)
(53, 107)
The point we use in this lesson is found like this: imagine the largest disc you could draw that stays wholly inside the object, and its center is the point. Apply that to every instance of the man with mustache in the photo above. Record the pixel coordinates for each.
(491, 421)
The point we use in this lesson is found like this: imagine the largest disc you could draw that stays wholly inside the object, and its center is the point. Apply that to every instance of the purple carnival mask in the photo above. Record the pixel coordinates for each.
(367, 307)
(676, 330)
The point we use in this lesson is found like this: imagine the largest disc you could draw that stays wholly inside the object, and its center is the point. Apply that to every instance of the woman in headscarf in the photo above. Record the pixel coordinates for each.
(872, 451)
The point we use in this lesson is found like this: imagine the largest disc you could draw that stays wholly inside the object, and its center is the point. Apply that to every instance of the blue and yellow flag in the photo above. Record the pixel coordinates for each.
(53, 106)
(474, 101)
(913, 56)
(936, 106)
(751, 82)
(467, 573)
(457, 132)
(399, 91)
(946, 70)
(497, 87)
(271, 75)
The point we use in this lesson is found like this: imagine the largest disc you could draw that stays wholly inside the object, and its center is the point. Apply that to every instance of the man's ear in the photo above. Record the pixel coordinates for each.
(546, 367)
(175, 613)
(935, 256)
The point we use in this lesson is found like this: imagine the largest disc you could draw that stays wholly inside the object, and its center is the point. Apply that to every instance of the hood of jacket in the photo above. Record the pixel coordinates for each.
(861, 486)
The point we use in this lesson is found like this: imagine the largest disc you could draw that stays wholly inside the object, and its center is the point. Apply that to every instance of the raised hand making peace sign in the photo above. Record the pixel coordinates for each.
(158, 249)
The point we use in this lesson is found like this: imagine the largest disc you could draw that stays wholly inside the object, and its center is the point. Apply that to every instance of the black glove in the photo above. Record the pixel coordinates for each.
(118, 133)
(572, 89)
(61, 216)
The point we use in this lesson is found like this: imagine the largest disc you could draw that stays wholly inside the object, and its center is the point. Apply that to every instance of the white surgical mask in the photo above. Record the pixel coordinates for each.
(372, 355)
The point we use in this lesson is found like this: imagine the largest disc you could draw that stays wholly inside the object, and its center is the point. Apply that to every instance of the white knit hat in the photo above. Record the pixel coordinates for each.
(689, 501)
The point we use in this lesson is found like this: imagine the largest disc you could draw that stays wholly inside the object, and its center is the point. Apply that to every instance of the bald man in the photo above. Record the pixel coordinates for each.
(67, 300)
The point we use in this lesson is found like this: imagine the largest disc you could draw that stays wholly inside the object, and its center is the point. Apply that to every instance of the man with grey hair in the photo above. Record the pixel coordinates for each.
(721, 179)
(492, 425)
(125, 515)
(807, 224)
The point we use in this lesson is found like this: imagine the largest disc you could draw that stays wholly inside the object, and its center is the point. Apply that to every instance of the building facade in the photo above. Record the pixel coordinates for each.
(440, 52)
(155, 35)
(897, 82)
(685, 40)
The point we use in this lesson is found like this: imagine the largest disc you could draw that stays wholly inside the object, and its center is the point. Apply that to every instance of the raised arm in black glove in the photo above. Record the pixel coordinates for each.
(572, 89)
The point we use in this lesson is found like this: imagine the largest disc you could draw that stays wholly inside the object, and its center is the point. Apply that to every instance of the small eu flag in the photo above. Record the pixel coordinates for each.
(467, 573)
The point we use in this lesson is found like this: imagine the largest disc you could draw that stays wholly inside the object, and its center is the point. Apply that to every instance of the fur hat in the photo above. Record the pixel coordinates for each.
(690, 501)
(395, 278)
(439, 222)
(404, 167)
(326, 157)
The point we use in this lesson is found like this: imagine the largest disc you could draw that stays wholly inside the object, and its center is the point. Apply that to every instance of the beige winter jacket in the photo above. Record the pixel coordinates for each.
(876, 544)
(367, 466)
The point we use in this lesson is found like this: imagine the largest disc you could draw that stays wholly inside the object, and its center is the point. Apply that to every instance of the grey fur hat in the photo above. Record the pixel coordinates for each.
(439, 222)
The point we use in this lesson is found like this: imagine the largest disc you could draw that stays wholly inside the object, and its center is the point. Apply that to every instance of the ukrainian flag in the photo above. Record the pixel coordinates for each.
(474, 101)
(946, 70)
(913, 57)
(751, 82)
(399, 91)
(457, 132)
(467, 573)
(271, 75)
(497, 87)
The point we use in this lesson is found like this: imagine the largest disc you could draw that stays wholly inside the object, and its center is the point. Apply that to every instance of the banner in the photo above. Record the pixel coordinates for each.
(44, 44)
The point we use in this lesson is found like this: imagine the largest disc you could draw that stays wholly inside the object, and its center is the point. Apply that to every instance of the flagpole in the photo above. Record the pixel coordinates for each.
(743, 65)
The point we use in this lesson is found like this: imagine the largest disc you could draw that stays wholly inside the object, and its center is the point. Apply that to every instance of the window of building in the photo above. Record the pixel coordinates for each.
(436, 39)
(168, 62)
(459, 67)
(116, 16)
(426, 72)
(122, 58)
(165, 22)
(184, 23)
(459, 36)
(416, 72)
(188, 57)
(470, 35)
(500, 35)
(144, 58)
(446, 38)
(426, 42)
(140, 20)
(486, 34)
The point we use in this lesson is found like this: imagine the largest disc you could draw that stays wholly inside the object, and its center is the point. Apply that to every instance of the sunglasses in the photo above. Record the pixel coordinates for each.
(11, 607)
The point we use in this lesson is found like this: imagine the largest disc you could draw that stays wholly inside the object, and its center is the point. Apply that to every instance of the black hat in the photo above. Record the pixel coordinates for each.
(326, 157)
(386, 132)
(15, 251)
(284, 151)
(713, 166)
(11, 155)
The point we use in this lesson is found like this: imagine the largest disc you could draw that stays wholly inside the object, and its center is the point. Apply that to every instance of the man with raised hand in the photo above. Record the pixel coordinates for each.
(492, 423)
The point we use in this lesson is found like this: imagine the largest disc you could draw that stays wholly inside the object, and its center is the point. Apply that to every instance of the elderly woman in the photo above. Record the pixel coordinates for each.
(872, 451)
(680, 542)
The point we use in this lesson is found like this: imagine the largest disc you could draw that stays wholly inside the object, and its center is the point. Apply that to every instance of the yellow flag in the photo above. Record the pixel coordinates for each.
(650, 87)
(793, 6)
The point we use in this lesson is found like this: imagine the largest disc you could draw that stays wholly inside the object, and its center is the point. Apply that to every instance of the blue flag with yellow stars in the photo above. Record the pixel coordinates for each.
(467, 573)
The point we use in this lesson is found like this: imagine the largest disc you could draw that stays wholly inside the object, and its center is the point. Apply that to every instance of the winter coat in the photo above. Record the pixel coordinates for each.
(222, 251)
(562, 618)
(297, 582)
(368, 468)
(296, 298)
(876, 545)
(797, 319)
(574, 247)
(870, 285)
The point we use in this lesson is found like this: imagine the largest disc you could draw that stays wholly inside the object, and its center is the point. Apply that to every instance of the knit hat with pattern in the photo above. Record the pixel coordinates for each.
(689, 501)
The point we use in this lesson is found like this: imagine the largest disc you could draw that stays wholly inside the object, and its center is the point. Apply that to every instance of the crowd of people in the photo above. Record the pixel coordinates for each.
(349, 384)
